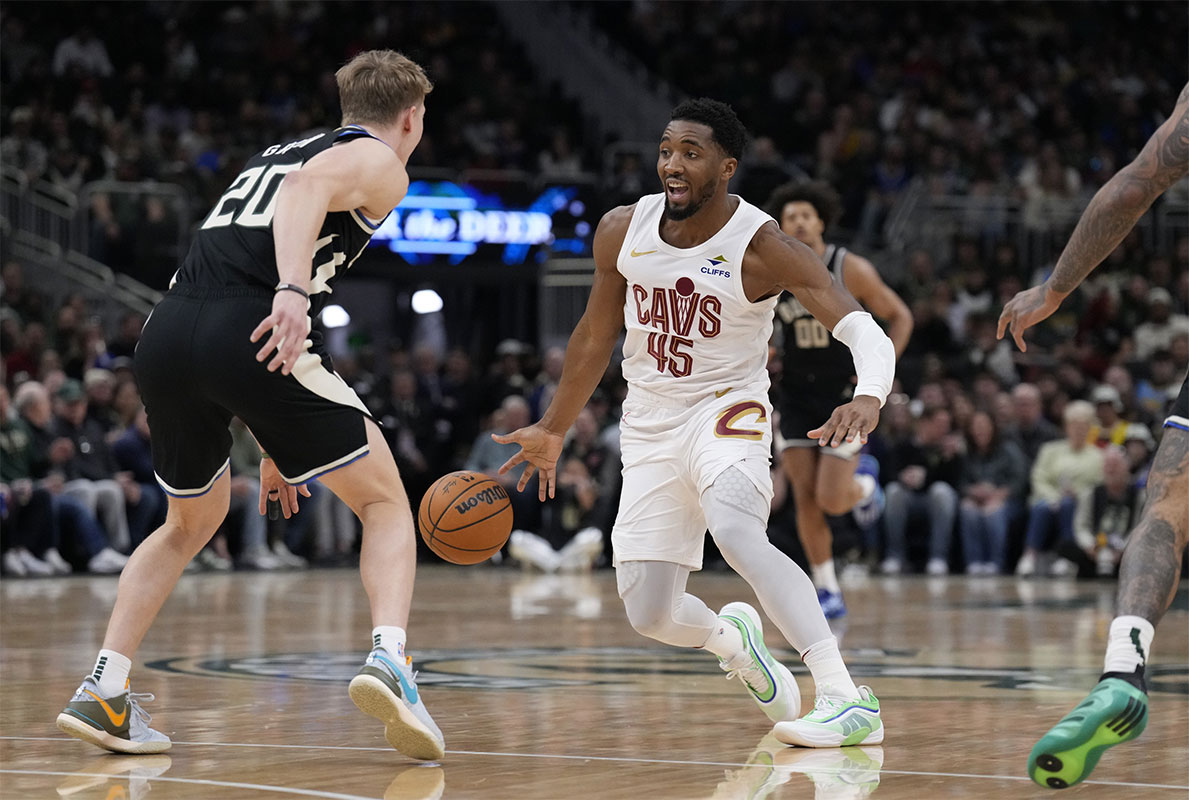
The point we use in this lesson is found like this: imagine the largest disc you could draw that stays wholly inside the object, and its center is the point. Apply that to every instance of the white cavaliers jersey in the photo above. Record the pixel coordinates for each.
(690, 328)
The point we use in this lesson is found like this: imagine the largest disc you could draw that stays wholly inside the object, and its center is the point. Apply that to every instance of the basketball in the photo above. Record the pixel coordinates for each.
(465, 517)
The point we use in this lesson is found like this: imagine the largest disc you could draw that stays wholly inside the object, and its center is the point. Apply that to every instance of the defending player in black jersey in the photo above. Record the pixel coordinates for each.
(817, 375)
(232, 337)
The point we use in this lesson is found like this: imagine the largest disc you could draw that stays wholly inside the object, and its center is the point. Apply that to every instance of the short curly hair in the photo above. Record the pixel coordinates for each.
(728, 131)
(825, 201)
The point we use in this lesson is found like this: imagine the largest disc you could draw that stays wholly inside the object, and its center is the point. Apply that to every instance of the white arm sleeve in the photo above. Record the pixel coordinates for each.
(872, 350)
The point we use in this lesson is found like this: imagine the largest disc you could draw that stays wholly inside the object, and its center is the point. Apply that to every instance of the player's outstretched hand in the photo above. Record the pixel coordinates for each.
(539, 450)
(1025, 310)
(273, 489)
(289, 323)
(855, 419)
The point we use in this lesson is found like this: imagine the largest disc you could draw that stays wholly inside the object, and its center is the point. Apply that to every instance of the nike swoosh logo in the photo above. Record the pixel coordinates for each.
(407, 689)
(117, 719)
(724, 391)
(637, 254)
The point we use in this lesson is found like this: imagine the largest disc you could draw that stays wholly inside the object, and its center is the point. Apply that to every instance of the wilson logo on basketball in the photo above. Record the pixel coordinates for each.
(488, 496)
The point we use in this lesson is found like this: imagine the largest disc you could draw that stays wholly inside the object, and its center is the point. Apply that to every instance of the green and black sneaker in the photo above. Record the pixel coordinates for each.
(118, 723)
(1114, 712)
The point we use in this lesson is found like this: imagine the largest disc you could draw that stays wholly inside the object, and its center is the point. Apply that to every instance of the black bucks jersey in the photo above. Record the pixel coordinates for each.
(234, 244)
(196, 363)
(816, 368)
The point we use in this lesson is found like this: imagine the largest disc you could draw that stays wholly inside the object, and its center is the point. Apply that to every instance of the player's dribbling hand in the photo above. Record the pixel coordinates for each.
(273, 487)
(289, 323)
(853, 420)
(1025, 310)
(539, 450)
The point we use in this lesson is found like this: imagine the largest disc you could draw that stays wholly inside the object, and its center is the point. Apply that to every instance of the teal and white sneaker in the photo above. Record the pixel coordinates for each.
(387, 690)
(1113, 713)
(835, 722)
(771, 684)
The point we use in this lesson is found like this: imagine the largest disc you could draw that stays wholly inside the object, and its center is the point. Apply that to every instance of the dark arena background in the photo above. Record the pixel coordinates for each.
(964, 141)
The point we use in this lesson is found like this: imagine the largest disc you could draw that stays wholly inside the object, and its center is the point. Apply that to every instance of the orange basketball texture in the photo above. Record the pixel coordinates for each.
(465, 517)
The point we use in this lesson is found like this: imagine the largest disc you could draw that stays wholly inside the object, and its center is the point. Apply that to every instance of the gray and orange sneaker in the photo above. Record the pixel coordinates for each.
(118, 723)
(386, 688)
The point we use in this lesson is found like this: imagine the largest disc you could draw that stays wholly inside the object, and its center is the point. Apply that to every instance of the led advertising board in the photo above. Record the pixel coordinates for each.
(442, 221)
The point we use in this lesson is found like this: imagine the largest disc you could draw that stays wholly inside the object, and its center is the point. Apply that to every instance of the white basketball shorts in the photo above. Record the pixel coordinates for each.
(671, 454)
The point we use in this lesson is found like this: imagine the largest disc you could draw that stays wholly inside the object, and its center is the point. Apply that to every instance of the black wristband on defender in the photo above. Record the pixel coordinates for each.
(293, 287)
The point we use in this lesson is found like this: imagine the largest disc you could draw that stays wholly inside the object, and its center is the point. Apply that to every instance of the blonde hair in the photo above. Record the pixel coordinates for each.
(1078, 411)
(376, 85)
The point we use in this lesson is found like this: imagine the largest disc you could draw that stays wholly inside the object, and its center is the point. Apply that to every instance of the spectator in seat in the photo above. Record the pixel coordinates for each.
(126, 507)
(1032, 429)
(1105, 515)
(928, 468)
(1064, 469)
(994, 479)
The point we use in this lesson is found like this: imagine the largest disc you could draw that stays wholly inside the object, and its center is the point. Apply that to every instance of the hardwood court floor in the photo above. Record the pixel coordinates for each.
(544, 691)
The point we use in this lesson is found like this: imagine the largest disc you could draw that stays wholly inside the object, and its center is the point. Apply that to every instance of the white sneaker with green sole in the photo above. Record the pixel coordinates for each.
(835, 722)
(770, 683)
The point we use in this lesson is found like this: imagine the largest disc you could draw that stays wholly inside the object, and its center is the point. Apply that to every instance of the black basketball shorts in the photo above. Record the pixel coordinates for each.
(1179, 418)
(807, 405)
(197, 368)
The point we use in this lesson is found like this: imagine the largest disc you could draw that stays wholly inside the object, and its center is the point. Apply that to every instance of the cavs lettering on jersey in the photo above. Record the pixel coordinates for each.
(691, 330)
(234, 245)
(811, 354)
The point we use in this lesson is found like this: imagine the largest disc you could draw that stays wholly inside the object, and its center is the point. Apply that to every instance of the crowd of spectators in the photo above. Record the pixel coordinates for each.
(994, 461)
(1036, 101)
(1036, 466)
(102, 93)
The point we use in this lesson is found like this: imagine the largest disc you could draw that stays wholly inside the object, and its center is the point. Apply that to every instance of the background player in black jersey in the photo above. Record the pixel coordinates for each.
(817, 375)
(232, 337)
(1116, 710)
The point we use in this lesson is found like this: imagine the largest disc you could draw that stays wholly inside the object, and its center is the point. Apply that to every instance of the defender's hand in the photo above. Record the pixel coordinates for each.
(539, 449)
(855, 419)
(1025, 310)
(289, 323)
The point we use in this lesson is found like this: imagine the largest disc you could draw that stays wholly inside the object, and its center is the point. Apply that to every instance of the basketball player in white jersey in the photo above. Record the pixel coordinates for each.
(695, 273)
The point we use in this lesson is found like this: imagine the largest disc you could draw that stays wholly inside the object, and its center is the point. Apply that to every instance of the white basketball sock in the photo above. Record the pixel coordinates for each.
(829, 673)
(111, 673)
(1128, 645)
(824, 578)
(725, 641)
(391, 638)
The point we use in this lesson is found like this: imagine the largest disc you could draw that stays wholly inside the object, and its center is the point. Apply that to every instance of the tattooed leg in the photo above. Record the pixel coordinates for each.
(1151, 563)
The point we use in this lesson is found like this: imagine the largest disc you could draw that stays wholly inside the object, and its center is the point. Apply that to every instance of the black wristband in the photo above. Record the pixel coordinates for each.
(293, 287)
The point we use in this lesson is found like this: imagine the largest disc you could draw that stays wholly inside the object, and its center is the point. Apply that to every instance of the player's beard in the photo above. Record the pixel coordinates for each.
(693, 206)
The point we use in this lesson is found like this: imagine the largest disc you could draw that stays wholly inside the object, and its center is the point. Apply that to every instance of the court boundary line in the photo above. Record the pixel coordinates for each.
(260, 787)
(623, 759)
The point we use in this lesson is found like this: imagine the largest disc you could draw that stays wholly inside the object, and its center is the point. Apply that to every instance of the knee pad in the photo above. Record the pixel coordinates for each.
(737, 514)
(734, 501)
(648, 591)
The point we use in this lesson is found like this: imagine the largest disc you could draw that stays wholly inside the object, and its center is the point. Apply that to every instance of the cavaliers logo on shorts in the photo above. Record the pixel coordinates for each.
(728, 421)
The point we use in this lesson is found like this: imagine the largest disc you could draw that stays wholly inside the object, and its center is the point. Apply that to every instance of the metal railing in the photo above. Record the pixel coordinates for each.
(162, 205)
(42, 228)
(59, 271)
(933, 222)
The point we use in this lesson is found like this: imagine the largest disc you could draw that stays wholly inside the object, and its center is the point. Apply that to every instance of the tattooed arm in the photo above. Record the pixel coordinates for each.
(1113, 211)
